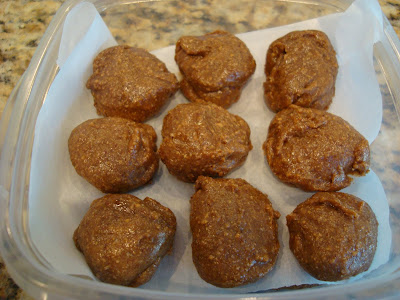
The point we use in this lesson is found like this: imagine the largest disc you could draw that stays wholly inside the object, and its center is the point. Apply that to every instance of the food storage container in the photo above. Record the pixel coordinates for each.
(153, 25)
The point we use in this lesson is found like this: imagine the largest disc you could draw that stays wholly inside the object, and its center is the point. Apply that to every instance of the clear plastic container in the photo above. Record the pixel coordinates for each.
(152, 25)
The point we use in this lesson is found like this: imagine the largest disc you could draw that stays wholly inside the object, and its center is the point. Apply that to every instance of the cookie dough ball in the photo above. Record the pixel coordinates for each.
(130, 83)
(203, 139)
(124, 238)
(315, 150)
(115, 155)
(301, 69)
(235, 232)
(214, 66)
(333, 235)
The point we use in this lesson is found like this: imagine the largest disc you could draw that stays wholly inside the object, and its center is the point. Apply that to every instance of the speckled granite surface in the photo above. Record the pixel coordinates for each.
(22, 23)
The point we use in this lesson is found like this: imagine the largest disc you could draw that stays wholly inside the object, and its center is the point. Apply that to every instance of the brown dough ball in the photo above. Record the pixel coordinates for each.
(315, 150)
(203, 139)
(214, 66)
(124, 238)
(235, 232)
(130, 83)
(115, 155)
(301, 69)
(333, 235)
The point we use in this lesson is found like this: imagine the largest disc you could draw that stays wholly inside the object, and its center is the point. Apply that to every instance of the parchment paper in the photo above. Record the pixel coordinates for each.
(58, 197)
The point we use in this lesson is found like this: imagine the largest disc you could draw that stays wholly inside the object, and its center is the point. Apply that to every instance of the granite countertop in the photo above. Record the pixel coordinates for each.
(23, 22)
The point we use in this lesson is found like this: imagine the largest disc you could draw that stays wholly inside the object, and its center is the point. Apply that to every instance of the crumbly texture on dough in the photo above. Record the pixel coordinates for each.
(115, 155)
(203, 139)
(301, 68)
(223, 97)
(333, 235)
(315, 150)
(130, 83)
(124, 238)
(215, 67)
(235, 232)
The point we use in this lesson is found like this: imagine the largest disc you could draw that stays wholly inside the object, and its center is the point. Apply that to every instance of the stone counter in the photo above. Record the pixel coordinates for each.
(22, 24)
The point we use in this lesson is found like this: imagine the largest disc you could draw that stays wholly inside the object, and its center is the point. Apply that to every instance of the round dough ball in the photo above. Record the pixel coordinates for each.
(124, 238)
(203, 139)
(235, 232)
(115, 155)
(215, 67)
(315, 150)
(333, 235)
(130, 83)
(301, 69)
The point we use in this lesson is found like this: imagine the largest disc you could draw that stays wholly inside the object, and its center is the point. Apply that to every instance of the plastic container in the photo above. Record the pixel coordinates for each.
(152, 25)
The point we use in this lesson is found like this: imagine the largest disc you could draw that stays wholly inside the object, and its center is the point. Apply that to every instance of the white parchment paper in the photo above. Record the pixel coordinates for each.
(58, 197)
